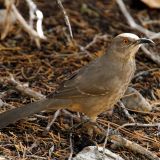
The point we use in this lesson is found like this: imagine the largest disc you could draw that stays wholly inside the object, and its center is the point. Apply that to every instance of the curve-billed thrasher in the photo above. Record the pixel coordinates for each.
(94, 88)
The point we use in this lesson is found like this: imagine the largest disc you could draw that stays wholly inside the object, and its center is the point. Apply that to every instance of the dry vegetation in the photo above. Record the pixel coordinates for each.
(44, 69)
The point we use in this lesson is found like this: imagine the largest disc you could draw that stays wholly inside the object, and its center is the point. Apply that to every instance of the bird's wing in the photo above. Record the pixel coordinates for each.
(86, 82)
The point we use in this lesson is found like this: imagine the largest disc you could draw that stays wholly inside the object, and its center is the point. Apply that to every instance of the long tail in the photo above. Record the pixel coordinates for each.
(16, 114)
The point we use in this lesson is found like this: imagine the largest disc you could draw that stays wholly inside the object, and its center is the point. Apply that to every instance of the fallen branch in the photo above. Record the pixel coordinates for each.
(134, 25)
(26, 27)
(123, 142)
(12, 10)
(131, 21)
(24, 89)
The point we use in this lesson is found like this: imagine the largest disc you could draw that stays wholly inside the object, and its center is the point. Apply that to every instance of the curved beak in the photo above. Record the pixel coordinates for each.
(144, 40)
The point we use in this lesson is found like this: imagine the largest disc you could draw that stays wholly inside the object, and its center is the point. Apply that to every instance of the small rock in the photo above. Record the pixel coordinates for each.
(1, 103)
(96, 153)
(135, 101)
(3, 158)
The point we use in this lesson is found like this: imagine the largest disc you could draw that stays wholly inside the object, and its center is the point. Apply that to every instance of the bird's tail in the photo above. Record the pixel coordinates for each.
(16, 114)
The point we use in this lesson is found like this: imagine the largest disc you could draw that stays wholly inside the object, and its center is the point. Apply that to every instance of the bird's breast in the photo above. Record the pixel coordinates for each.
(121, 78)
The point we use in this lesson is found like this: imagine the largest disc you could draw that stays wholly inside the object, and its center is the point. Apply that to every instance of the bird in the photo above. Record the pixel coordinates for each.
(94, 88)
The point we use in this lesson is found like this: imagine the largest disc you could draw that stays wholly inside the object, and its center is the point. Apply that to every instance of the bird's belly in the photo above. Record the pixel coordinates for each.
(94, 105)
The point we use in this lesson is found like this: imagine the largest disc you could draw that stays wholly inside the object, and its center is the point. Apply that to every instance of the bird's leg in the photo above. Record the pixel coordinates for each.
(93, 122)
(84, 121)
(90, 127)
(95, 130)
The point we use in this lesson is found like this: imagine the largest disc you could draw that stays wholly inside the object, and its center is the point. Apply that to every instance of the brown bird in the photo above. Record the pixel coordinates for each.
(95, 88)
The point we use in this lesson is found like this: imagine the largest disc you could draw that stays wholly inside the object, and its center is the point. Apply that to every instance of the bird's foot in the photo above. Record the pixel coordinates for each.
(95, 131)
(91, 128)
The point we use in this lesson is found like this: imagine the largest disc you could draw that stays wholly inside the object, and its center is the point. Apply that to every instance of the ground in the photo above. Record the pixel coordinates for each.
(44, 69)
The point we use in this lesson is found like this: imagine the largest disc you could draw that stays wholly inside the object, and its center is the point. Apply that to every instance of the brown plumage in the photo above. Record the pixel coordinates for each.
(94, 88)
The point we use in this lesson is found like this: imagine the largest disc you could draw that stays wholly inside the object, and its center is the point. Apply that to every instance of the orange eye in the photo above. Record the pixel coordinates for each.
(125, 41)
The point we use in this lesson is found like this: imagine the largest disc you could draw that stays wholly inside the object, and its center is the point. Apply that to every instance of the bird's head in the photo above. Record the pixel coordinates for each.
(126, 45)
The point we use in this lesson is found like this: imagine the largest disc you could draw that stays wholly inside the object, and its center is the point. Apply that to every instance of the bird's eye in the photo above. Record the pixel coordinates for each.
(125, 41)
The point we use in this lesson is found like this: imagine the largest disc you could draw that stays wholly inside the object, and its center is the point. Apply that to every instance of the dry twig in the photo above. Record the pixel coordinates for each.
(154, 57)
(56, 114)
(127, 114)
(71, 145)
(95, 39)
(106, 139)
(66, 18)
(134, 25)
(131, 21)
(142, 73)
(35, 13)
(127, 132)
(139, 125)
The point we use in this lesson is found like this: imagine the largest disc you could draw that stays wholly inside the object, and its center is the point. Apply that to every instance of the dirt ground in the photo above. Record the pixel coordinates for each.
(44, 69)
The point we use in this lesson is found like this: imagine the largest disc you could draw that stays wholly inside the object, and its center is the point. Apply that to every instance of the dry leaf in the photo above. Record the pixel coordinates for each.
(152, 3)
